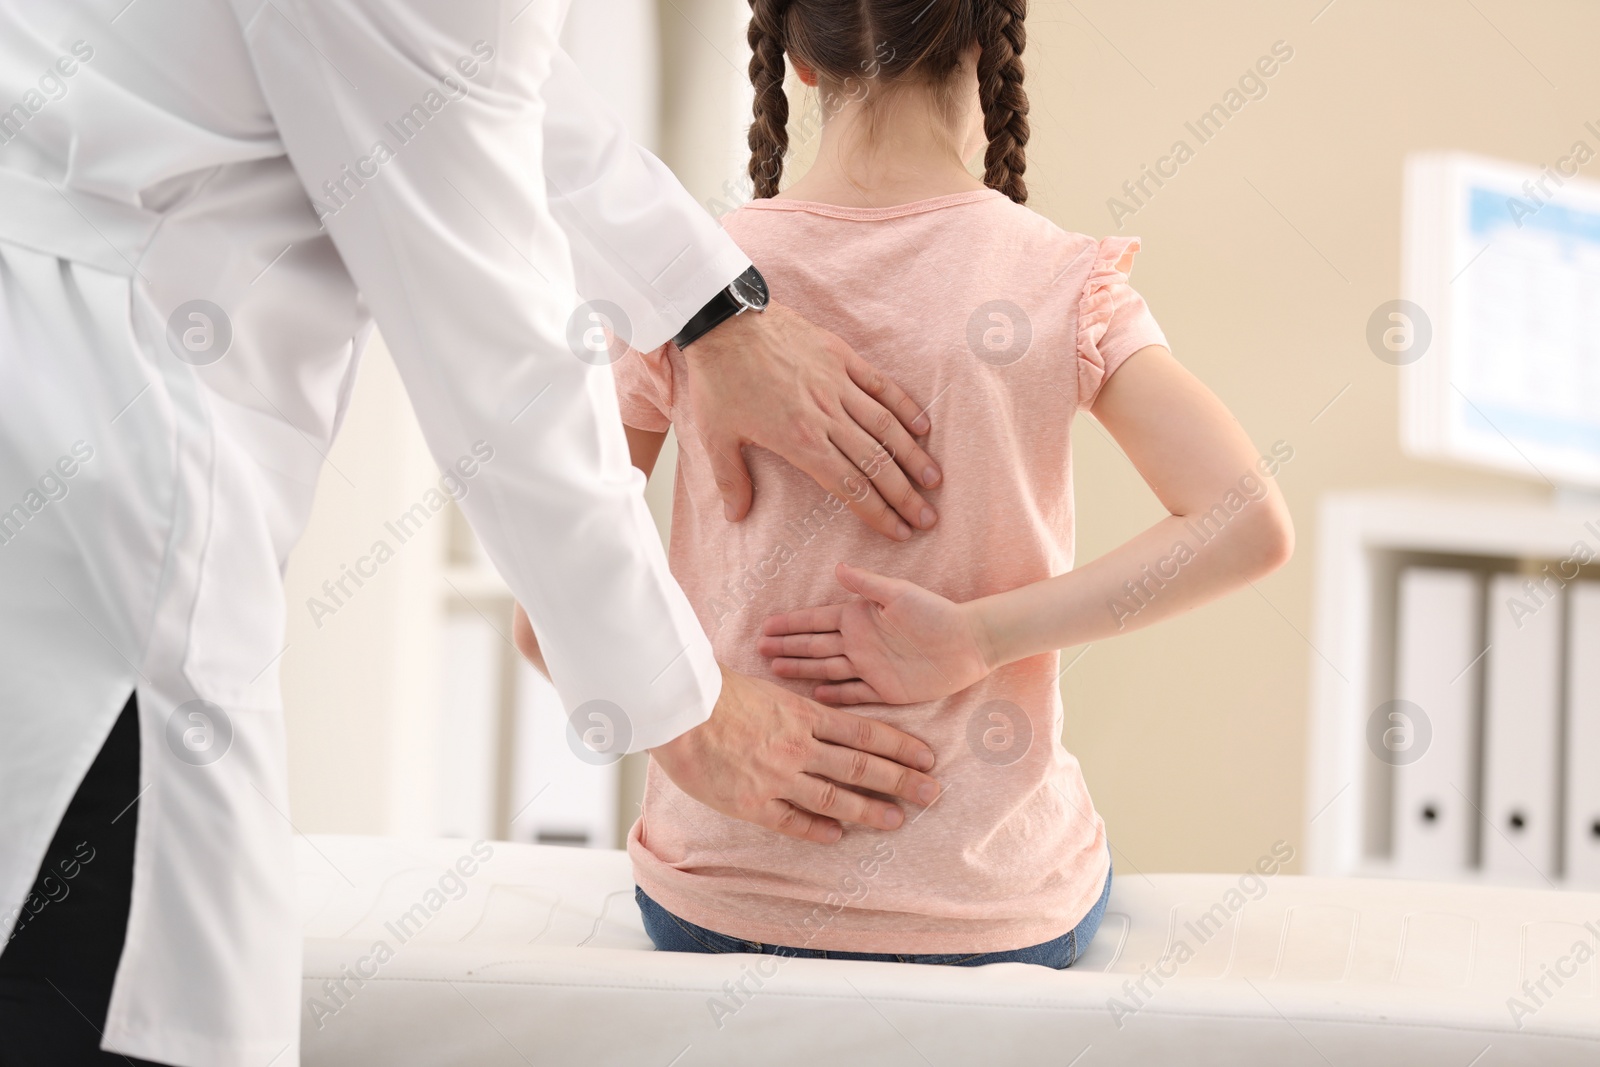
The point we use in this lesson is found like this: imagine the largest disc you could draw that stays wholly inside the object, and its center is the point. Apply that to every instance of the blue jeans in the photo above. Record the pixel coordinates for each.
(672, 934)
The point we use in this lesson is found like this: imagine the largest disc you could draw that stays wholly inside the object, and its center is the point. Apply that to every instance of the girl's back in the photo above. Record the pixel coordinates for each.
(1005, 326)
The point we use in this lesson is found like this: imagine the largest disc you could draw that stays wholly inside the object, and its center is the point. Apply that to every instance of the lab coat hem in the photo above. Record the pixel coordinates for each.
(183, 1048)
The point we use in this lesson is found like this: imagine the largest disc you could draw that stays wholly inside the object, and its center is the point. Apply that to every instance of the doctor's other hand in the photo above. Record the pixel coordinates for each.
(897, 644)
(774, 380)
(773, 758)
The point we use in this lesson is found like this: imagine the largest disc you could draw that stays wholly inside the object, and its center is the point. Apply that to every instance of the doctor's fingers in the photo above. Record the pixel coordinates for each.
(835, 801)
(877, 489)
(855, 770)
(833, 471)
(895, 443)
(785, 818)
(853, 731)
(887, 392)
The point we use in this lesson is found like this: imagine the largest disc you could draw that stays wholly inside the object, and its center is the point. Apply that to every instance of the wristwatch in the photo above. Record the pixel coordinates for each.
(747, 292)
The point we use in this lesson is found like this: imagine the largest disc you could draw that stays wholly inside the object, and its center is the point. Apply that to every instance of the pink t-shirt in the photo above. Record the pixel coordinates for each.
(1005, 326)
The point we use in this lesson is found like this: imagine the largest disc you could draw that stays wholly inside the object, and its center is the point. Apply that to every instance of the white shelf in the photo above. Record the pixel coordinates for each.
(1364, 541)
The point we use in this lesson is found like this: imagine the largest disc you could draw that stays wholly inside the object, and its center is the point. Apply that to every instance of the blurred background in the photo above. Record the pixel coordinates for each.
(1380, 704)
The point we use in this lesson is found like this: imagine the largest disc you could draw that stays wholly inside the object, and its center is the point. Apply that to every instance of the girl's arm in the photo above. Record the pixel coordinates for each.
(644, 448)
(1227, 525)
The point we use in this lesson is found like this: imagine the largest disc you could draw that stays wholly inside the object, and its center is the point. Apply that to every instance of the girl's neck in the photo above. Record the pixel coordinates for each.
(905, 150)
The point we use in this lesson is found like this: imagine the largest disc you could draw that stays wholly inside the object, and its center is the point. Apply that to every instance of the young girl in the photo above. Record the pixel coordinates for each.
(1006, 327)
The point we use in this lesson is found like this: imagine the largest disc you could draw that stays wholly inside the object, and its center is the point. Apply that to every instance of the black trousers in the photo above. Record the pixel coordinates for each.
(56, 970)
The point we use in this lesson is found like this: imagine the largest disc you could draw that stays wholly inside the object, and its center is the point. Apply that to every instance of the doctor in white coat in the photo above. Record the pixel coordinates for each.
(203, 206)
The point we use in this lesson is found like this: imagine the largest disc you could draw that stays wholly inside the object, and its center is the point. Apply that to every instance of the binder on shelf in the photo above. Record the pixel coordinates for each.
(1522, 730)
(1582, 851)
(1430, 733)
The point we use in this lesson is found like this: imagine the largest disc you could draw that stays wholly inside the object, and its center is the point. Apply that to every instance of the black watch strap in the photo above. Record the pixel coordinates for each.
(748, 292)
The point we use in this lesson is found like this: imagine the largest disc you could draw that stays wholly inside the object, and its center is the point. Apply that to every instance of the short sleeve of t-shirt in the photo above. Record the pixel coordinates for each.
(1132, 327)
(1114, 321)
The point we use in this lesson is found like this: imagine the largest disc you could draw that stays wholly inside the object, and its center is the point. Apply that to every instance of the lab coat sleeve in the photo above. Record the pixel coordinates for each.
(418, 131)
(639, 240)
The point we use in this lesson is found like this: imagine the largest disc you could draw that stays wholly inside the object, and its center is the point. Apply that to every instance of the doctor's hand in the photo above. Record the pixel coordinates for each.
(780, 761)
(897, 644)
(774, 380)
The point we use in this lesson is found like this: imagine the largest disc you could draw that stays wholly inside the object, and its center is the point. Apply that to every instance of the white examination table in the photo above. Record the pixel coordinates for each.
(541, 960)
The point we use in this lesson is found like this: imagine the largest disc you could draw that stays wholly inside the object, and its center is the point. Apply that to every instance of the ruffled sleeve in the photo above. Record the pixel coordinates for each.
(1113, 320)
(644, 389)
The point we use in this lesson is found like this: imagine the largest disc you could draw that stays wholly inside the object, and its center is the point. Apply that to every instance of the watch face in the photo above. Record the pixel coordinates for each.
(750, 290)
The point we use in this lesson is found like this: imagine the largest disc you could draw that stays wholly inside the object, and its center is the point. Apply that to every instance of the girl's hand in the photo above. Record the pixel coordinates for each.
(898, 644)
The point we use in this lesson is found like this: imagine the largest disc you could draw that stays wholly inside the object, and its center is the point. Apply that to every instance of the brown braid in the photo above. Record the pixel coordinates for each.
(1002, 35)
(769, 133)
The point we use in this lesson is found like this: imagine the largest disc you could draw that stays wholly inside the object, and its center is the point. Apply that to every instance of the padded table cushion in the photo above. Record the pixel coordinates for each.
(537, 956)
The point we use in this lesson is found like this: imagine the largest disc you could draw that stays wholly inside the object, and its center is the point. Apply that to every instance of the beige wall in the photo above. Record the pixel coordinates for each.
(1263, 259)
(359, 685)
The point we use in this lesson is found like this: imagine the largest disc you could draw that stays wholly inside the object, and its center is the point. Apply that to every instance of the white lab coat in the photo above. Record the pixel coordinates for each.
(163, 154)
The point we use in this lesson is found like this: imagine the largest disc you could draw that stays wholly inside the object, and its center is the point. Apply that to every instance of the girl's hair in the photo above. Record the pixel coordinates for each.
(852, 43)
